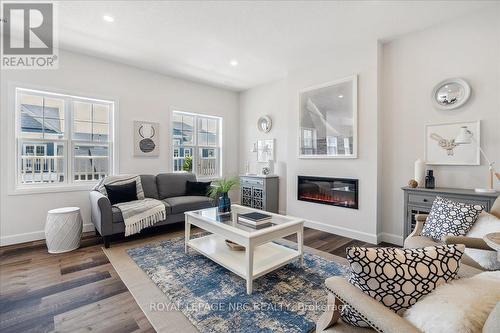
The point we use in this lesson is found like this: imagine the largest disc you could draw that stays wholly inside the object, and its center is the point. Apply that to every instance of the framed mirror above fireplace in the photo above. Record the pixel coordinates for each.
(342, 192)
(328, 120)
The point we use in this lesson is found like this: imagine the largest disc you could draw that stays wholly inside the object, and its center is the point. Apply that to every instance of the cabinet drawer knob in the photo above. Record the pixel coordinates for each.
(425, 200)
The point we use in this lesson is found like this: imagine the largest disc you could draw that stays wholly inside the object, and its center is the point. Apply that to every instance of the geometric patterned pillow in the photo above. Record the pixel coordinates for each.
(450, 218)
(398, 278)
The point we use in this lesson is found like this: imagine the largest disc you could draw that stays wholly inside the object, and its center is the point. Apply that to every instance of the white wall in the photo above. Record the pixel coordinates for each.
(269, 99)
(280, 100)
(142, 95)
(469, 48)
(395, 83)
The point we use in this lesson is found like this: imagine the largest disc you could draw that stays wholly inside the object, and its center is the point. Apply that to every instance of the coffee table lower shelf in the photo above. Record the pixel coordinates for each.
(266, 257)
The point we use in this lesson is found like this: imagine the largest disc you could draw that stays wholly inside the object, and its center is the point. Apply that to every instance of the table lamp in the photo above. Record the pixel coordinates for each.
(465, 136)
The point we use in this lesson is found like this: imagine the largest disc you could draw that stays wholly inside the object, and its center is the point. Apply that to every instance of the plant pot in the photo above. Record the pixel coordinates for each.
(224, 203)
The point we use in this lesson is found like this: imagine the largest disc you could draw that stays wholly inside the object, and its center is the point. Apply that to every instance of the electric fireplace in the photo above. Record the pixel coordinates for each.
(340, 192)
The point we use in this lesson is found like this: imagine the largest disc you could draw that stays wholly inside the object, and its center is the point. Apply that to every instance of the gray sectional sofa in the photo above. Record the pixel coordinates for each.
(170, 188)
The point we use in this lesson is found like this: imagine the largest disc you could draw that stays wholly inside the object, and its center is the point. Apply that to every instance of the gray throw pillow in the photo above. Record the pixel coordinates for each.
(450, 218)
(398, 278)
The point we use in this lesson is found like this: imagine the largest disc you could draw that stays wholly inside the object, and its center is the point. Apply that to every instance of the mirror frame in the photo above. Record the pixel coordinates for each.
(353, 80)
(461, 82)
(266, 119)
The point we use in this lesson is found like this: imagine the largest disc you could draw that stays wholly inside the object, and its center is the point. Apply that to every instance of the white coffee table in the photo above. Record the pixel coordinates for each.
(261, 254)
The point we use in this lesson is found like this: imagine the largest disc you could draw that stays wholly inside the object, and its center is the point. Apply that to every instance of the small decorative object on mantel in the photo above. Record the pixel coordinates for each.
(220, 190)
(146, 140)
(264, 124)
(412, 183)
(443, 148)
(420, 172)
(430, 182)
(450, 94)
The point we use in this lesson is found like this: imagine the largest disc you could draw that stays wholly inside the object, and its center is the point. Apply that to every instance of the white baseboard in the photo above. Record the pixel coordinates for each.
(390, 238)
(346, 232)
(32, 236)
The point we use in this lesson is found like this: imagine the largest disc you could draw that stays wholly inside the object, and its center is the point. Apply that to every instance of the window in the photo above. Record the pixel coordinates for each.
(62, 139)
(308, 140)
(196, 143)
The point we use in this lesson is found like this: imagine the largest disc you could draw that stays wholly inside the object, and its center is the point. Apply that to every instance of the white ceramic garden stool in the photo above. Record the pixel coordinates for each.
(63, 229)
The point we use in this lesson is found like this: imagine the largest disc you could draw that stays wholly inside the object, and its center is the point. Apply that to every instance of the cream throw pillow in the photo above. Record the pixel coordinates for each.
(461, 306)
(485, 224)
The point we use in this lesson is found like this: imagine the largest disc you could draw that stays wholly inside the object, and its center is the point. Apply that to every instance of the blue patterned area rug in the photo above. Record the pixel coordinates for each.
(214, 299)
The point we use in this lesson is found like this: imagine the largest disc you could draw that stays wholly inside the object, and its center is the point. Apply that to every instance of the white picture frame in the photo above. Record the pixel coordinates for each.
(463, 154)
(265, 150)
(146, 139)
(328, 120)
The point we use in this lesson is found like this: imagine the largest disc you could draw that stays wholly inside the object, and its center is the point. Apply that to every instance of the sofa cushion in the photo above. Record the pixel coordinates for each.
(173, 184)
(450, 218)
(197, 188)
(121, 193)
(398, 278)
(149, 186)
(189, 202)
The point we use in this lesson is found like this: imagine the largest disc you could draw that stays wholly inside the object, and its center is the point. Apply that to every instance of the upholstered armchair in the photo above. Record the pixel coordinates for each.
(373, 312)
(377, 315)
(416, 240)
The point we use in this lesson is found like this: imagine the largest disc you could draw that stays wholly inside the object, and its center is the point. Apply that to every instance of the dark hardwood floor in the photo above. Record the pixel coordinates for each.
(80, 291)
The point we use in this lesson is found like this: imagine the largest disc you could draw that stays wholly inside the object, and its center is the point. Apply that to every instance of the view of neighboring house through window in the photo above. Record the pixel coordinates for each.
(196, 143)
(308, 140)
(62, 139)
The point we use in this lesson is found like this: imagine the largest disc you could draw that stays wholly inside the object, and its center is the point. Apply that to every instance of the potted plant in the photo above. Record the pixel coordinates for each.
(220, 189)
(188, 164)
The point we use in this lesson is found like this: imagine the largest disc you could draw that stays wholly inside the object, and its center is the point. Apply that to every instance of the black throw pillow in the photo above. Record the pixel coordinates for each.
(197, 188)
(121, 193)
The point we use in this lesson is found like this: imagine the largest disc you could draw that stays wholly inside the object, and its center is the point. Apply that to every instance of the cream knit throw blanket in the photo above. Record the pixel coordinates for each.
(138, 214)
(141, 214)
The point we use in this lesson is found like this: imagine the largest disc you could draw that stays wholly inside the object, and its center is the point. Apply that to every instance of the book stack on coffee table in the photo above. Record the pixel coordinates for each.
(255, 220)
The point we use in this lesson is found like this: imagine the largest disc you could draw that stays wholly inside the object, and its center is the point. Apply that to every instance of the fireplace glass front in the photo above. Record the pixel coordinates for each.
(329, 191)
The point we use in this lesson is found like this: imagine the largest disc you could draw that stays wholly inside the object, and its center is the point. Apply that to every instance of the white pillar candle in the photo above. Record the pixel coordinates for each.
(420, 172)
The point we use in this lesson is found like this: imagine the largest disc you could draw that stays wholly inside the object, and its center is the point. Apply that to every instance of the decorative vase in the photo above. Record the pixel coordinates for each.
(430, 181)
(420, 173)
(224, 203)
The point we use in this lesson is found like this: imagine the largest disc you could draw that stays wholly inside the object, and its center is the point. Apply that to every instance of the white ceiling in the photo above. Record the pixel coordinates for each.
(198, 39)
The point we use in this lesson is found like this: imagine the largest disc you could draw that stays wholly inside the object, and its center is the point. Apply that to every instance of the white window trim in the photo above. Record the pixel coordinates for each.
(14, 188)
(194, 146)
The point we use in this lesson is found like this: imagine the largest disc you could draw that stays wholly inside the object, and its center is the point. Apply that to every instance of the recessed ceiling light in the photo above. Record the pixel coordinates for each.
(341, 96)
(234, 62)
(108, 18)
